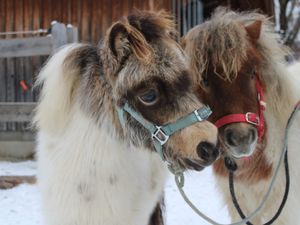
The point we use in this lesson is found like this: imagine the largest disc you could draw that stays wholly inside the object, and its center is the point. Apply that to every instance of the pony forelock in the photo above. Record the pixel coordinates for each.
(222, 42)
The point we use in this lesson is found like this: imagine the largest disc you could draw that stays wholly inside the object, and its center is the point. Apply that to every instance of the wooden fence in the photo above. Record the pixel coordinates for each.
(17, 77)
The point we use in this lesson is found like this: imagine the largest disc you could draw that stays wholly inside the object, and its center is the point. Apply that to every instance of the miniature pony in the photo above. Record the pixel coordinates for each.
(93, 171)
(238, 63)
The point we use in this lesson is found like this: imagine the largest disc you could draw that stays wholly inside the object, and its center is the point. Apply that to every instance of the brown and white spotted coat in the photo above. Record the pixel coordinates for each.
(93, 172)
(226, 55)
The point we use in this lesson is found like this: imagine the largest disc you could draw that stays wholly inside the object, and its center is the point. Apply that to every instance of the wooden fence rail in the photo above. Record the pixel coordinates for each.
(16, 111)
(21, 47)
(15, 116)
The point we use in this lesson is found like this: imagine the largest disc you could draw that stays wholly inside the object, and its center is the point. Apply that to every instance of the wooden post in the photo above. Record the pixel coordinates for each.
(59, 35)
(72, 34)
(2, 88)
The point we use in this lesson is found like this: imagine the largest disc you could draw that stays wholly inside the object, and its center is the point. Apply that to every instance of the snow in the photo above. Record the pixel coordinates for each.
(21, 205)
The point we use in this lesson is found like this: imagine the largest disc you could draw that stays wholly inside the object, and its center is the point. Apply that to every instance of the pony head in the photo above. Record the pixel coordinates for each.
(226, 60)
(147, 69)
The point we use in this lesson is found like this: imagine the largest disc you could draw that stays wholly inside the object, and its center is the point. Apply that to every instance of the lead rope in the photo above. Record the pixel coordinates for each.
(287, 176)
(179, 178)
(282, 204)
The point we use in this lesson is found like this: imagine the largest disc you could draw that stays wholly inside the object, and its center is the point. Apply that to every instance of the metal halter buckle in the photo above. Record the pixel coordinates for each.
(197, 115)
(160, 135)
(205, 113)
(248, 119)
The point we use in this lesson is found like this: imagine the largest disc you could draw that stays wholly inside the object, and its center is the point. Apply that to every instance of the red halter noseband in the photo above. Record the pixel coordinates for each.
(249, 117)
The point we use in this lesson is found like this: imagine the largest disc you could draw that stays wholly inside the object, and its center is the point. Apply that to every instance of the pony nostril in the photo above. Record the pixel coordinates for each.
(252, 134)
(230, 138)
(235, 138)
(207, 151)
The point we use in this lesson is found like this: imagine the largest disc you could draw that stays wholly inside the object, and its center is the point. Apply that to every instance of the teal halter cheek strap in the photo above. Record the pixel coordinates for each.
(161, 134)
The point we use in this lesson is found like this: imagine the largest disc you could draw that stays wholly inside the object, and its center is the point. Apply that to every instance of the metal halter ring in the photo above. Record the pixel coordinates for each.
(160, 135)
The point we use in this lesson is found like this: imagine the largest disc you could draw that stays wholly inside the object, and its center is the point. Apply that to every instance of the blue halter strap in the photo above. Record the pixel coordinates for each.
(161, 134)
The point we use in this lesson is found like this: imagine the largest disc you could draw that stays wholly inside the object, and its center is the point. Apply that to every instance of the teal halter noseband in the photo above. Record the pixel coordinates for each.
(161, 134)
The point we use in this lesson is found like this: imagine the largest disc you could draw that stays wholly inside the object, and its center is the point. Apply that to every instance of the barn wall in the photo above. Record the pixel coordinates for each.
(92, 17)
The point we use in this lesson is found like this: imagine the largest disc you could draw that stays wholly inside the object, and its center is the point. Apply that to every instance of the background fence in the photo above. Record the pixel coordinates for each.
(20, 60)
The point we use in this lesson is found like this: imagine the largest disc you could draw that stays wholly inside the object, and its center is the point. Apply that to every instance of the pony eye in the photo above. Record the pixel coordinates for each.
(205, 81)
(149, 98)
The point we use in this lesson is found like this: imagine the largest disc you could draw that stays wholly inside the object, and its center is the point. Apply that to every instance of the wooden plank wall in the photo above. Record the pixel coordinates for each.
(92, 17)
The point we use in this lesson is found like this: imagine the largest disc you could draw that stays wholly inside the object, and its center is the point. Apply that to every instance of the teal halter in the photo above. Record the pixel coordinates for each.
(161, 134)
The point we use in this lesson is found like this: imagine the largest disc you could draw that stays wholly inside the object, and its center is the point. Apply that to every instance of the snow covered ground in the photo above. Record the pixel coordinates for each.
(21, 205)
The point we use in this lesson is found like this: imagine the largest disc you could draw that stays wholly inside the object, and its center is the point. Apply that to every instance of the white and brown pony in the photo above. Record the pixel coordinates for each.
(238, 62)
(93, 171)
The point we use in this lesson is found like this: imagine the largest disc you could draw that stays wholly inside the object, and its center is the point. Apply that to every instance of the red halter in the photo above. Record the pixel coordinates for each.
(249, 117)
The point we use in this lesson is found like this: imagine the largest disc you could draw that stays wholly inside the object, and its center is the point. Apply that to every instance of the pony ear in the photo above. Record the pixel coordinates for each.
(118, 40)
(254, 29)
(124, 39)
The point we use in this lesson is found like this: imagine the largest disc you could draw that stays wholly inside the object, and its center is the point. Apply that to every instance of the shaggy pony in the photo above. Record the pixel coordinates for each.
(229, 49)
(93, 171)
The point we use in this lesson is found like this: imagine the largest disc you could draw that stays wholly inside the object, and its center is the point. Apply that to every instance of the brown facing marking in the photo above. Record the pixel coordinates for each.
(215, 40)
(168, 92)
(259, 168)
(239, 94)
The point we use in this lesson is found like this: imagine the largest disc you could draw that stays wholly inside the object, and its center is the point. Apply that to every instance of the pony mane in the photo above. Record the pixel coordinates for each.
(224, 42)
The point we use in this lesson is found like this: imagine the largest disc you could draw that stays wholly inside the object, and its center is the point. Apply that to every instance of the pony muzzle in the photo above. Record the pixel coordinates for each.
(185, 142)
(240, 139)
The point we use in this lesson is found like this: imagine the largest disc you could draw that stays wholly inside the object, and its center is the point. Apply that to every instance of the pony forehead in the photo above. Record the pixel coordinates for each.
(135, 74)
(168, 60)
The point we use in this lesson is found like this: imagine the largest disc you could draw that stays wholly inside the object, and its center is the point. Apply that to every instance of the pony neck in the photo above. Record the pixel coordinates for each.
(280, 98)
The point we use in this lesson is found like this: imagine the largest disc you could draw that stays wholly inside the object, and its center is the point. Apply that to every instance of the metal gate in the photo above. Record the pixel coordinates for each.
(188, 13)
